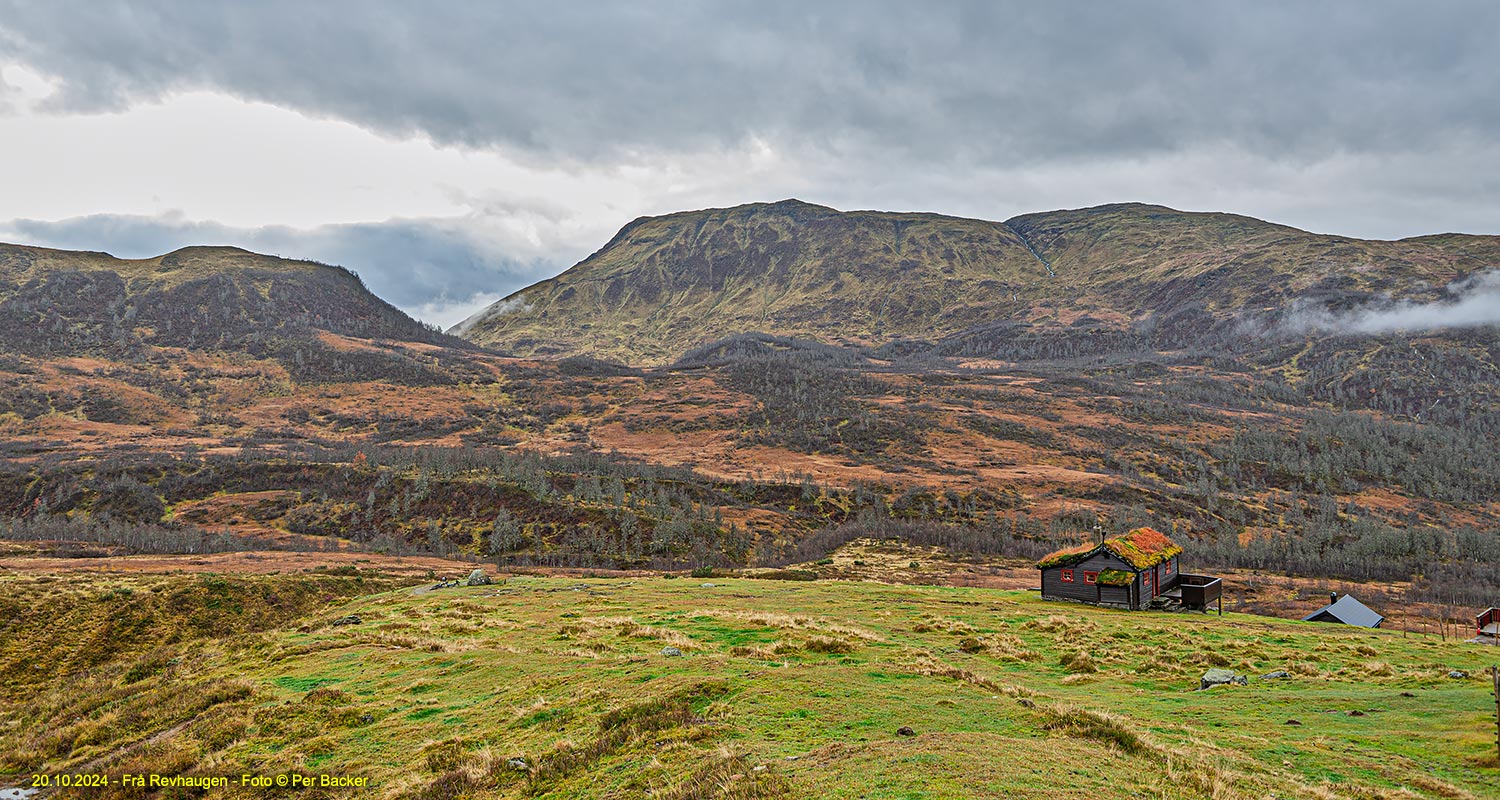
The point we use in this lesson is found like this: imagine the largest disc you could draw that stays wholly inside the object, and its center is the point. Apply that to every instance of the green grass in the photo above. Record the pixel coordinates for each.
(302, 684)
(598, 711)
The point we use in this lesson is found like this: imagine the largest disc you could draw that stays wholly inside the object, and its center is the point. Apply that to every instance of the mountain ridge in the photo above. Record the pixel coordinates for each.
(664, 285)
(198, 296)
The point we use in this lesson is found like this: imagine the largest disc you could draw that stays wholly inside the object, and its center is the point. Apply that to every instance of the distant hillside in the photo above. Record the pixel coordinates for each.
(214, 390)
(1139, 259)
(665, 285)
(65, 302)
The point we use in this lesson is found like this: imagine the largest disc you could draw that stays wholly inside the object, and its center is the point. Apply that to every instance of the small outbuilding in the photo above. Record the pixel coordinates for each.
(1126, 571)
(1488, 623)
(1347, 611)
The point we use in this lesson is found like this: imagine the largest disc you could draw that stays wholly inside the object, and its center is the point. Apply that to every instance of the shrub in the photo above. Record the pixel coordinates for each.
(128, 500)
(786, 575)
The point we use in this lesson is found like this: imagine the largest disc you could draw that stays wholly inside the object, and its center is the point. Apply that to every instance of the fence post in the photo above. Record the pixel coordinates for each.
(1495, 676)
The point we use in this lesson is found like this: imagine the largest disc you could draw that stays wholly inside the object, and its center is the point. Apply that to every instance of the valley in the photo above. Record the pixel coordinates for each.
(806, 448)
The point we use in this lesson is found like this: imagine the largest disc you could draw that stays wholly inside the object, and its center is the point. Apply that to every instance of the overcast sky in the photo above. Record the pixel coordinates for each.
(454, 152)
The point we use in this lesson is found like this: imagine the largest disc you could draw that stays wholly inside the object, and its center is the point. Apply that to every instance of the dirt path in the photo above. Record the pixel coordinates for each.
(96, 764)
(99, 763)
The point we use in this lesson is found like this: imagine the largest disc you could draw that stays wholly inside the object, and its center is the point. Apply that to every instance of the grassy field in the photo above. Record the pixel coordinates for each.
(551, 687)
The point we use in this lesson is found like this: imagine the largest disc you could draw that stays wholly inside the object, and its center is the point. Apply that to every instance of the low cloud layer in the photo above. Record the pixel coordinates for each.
(499, 309)
(1472, 302)
(433, 269)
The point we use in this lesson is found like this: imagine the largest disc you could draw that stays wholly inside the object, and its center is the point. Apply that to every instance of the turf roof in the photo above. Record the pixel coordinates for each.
(1141, 548)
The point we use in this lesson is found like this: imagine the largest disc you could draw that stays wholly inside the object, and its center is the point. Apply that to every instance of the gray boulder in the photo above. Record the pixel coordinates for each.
(352, 619)
(1458, 673)
(1220, 677)
(671, 652)
(478, 578)
(1271, 676)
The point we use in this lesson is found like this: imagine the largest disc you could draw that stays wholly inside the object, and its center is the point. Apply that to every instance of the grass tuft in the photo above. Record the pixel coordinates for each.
(1079, 662)
(1096, 726)
(829, 644)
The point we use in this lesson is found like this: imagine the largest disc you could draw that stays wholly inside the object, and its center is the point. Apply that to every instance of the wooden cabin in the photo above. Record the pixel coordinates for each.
(1127, 571)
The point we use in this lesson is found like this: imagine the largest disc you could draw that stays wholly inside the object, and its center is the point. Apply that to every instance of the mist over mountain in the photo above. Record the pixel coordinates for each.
(1468, 303)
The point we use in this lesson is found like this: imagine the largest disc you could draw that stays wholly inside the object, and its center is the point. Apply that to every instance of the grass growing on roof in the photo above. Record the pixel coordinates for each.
(1067, 555)
(1140, 548)
(1143, 547)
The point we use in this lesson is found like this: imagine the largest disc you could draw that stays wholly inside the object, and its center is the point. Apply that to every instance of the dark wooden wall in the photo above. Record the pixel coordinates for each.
(1053, 586)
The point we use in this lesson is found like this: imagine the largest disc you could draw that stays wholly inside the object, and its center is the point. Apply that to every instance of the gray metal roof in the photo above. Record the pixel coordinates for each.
(1350, 612)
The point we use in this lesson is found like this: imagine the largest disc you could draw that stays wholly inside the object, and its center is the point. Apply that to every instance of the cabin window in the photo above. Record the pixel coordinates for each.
(1090, 577)
(1168, 570)
(1067, 576)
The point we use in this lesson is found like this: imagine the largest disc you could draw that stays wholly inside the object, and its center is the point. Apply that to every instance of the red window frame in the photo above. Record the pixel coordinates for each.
(1067, 576)
(1091, 578)
(1168, 570)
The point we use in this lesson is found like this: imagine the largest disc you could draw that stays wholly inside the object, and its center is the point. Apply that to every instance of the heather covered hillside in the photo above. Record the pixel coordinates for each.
(1326, 454)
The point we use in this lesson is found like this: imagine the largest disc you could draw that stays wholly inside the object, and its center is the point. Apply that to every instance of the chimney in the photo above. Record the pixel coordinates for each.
(1333, 597)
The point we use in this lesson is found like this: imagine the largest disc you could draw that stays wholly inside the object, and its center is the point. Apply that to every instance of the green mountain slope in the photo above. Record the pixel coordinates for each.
(1140, 258)
(58, 301)
(667, 284)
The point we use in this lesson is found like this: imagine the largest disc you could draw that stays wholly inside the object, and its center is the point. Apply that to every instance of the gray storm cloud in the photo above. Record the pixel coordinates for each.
(974, 83)
(1473, 302)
